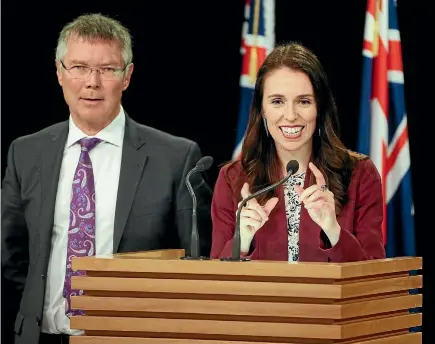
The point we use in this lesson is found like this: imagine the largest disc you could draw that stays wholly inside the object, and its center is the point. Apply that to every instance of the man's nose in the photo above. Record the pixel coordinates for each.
(94, 79)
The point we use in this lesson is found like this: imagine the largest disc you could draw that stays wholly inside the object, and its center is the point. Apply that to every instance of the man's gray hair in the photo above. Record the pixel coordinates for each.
(94, 27)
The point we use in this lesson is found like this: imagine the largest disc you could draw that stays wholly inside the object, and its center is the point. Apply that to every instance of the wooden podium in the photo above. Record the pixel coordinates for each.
(156, 298)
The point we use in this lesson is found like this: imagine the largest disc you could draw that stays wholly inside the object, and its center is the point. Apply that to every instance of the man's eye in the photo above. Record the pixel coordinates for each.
(79, 68)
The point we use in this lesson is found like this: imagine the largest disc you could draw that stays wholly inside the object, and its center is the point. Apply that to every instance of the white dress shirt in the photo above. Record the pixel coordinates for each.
(106, 163)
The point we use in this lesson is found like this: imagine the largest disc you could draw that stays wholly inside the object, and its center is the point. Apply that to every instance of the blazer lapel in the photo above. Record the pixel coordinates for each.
(132, 165)
(279, 225)
(309, 231)
(52, 153)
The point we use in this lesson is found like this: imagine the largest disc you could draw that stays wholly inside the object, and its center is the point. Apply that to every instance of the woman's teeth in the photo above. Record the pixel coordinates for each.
(291, 131)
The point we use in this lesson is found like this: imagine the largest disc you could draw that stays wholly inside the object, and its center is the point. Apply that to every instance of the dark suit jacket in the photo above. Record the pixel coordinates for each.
(360, 221)
(153, 210)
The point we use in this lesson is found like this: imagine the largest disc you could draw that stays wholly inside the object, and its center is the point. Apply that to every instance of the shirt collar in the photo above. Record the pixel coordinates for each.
(113, 133)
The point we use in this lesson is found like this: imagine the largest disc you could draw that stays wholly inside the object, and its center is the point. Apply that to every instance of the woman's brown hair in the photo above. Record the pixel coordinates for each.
(259, 157)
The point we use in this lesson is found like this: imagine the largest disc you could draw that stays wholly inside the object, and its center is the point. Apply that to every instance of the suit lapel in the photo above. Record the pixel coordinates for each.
(132, 165)
(51, 160)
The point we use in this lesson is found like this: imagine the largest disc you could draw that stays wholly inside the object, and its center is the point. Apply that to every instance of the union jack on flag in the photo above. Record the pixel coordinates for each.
(383, 128)
(258, 39)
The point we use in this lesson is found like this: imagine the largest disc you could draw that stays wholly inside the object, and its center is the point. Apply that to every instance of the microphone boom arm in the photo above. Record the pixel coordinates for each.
(292, 167)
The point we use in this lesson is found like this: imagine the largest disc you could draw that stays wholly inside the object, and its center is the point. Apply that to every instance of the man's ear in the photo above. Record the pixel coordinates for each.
(127, 77)
(59, 73)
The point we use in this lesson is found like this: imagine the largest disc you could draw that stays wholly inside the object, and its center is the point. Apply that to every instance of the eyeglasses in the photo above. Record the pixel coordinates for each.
(83, 72)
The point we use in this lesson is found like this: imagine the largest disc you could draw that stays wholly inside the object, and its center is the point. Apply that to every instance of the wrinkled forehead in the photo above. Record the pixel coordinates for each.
(93, 50)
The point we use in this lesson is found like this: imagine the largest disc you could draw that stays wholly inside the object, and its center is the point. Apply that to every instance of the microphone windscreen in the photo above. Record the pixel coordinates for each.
(292, 166)
(204, 163)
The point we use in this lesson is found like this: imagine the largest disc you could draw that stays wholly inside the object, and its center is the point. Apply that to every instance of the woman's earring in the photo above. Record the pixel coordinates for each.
(319, 132)
(265, 126)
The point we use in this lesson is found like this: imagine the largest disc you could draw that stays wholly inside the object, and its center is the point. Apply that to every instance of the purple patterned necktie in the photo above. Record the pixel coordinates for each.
(81, 231)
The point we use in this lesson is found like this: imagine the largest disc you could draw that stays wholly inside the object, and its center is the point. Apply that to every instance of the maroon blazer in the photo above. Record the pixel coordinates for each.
(360, 221)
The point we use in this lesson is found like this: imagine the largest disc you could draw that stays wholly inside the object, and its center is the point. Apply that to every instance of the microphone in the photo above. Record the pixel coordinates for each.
(202, 165)
(292, 167)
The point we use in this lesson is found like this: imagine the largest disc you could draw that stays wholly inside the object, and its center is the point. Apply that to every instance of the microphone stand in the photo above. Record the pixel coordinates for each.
(194, 239)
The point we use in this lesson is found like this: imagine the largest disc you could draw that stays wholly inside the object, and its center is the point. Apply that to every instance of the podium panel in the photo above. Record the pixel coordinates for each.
(155, 297)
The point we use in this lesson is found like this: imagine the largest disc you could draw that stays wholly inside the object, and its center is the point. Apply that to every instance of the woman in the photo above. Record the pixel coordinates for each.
(331, 209)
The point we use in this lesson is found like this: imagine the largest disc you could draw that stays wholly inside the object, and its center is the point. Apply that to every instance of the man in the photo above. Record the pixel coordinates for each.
(98, 183)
